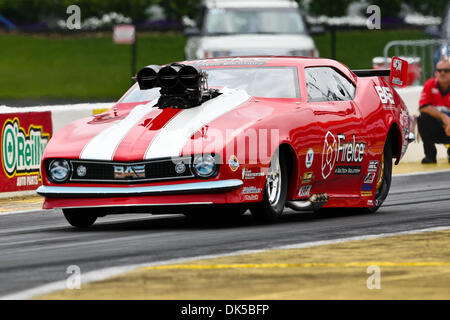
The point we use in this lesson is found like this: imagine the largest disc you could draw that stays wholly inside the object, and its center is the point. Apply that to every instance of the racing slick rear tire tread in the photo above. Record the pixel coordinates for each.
(264, 211)
(80, 218)
(383, 191)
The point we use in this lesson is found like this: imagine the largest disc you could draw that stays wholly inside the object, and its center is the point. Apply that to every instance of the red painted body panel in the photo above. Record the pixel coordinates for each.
(361, 126)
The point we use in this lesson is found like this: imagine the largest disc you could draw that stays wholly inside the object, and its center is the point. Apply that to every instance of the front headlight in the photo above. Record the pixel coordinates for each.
(59, 170)
(204, 165)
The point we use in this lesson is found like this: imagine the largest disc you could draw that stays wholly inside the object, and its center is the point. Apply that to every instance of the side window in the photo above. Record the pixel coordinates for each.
(327, 84)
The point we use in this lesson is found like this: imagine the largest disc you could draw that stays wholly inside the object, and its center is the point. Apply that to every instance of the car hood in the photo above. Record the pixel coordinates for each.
(258, 44)
(144, 132)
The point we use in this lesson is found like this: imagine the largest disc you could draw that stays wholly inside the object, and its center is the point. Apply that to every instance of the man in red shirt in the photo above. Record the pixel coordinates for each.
(434, 105)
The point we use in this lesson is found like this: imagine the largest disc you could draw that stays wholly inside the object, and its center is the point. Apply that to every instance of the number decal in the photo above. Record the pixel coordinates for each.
(385, 95)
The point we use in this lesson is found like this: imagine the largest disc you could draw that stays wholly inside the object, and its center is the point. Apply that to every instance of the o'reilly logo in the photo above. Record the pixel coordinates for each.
(21, 151)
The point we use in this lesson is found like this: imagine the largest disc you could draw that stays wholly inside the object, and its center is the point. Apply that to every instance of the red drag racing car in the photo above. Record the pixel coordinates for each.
(220, 136)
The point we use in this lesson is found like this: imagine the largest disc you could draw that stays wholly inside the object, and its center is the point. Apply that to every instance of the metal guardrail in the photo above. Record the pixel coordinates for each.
(426, 50)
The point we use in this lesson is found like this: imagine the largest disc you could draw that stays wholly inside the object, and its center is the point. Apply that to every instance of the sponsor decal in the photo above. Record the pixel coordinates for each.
(399, 72)
(307, 177)
(251, 197)
(248, 174)
(370, 177)
(350, 151)
(329, 154)
(251, 190)
(397, 69)
(309, 158)
(369, 202)
(232, 62)
(366, 187)
(129, 172)
(304, 191)
(366, 193)
(404, 118)
(373, 166)
(350, 170)
(233, 162)
(339, 150)
(24, 136)
(22, 149)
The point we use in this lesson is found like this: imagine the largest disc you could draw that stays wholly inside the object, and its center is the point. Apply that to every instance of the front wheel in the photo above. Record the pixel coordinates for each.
(275, 191)
(80, 218)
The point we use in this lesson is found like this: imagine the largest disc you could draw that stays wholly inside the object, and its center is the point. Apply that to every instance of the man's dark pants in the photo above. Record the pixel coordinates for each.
(432, 131)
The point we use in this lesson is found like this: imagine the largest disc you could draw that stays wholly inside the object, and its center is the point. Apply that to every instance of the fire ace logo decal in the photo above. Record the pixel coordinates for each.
(348, 154)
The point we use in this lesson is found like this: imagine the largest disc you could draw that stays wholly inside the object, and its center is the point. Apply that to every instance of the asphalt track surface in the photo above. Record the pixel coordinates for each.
(37, 247)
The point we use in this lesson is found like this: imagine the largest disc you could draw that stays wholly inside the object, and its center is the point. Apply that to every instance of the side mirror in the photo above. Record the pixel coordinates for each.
(191, 32)
(317, 30)
(433, 31)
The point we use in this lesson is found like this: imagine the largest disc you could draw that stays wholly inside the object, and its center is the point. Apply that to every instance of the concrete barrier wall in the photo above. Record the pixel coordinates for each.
(30, 128)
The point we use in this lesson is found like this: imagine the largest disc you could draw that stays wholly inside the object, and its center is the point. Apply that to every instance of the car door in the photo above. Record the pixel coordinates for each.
(342, 148)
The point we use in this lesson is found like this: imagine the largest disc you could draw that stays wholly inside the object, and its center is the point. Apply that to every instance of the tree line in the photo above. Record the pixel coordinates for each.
(38, 11)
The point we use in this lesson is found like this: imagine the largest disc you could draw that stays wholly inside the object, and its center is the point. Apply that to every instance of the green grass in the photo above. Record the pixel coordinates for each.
(92, 67)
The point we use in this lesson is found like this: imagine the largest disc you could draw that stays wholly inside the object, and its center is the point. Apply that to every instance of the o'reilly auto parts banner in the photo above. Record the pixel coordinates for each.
(24, 137)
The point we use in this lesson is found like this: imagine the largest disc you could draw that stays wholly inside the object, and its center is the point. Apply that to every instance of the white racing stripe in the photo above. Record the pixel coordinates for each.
(173, 136)
(104, 145)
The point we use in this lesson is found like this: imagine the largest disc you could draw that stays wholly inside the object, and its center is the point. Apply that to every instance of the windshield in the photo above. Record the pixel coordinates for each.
(270, 82)
(253, 21)
(264, 82)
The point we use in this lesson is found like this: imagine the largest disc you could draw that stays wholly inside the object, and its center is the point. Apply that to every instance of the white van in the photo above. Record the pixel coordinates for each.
(249, 27)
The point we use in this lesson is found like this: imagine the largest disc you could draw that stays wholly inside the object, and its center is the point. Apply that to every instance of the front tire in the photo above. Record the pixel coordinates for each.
(80, 218)
(275, 191)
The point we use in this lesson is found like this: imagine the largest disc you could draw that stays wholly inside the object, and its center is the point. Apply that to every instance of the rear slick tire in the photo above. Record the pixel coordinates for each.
(80, 218)
(384, 179)
(275, 191)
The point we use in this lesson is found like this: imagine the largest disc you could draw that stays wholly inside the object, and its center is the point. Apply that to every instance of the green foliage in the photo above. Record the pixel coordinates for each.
(329, 8)
(430, 7)
(176, 9)
(28, 11)
(89, 67)
(389, 8)
(32, 11)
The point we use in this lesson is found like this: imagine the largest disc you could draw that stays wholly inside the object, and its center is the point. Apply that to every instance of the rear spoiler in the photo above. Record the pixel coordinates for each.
(372, 72)
(398, 73)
